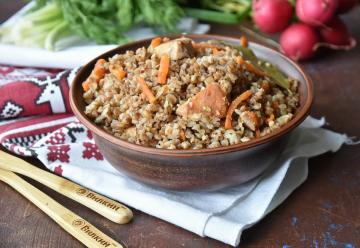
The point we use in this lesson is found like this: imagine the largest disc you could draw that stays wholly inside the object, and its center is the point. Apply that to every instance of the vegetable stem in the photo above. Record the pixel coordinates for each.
(49, 11)
(60, 30)
(212, 16)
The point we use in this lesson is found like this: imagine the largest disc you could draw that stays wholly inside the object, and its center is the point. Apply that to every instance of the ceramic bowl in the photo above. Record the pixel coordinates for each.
(203, 169)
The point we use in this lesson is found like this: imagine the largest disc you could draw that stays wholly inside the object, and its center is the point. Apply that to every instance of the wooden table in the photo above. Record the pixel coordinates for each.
(323, 212)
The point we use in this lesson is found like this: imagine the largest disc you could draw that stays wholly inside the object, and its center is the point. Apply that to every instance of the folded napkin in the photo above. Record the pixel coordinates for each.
(67, 148)
(83, 51)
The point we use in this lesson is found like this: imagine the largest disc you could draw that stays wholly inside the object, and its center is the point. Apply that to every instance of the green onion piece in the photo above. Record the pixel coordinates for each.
(212, 16)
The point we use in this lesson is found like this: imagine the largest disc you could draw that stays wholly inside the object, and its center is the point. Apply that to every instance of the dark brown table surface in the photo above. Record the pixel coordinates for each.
(323, 212)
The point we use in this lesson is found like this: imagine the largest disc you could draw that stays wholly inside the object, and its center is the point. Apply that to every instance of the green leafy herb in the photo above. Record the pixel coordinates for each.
(161, 13)
(106, 21)
(103, 21)
(269, 69)
(274, 73)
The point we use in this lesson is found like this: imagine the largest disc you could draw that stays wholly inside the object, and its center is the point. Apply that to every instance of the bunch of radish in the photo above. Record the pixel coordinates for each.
(319, 24)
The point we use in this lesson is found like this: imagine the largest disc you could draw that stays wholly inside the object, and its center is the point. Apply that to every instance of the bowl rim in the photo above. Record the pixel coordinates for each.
(298, 118)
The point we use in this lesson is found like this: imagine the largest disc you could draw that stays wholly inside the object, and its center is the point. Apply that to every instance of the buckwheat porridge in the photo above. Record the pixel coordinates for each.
(181, 94)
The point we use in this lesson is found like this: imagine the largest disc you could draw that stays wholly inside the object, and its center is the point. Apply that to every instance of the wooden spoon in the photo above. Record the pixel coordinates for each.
(72, 223)
(108, 208)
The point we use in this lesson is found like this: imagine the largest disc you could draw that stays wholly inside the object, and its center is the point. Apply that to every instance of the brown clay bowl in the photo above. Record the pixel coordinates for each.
(203, 169)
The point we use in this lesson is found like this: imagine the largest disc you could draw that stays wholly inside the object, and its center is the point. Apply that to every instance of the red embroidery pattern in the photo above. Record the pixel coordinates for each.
(89, 134)
(58, 170)
(59, 152)
(91, 151)
(56, 138)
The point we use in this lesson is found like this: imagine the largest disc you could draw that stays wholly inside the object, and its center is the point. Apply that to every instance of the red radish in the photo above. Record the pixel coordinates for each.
(272, 16)
(316, 12)
(345, 5)
(336, 35)
(299, 41)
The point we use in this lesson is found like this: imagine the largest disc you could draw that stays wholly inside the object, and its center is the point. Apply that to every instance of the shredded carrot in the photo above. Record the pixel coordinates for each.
(200, 46)
(254, 119)
(243, 97)
(164, 69)
(215, 51)
(97, 73)
(99, 70)
(100, 62)
(250, 67)
(86, 85)
(119, 73)
(155, 42)
(149, 95)
(244, 41)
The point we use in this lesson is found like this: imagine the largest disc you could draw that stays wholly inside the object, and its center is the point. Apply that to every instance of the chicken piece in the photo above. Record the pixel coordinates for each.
(250, 120)
(176, 49)
(210, 101)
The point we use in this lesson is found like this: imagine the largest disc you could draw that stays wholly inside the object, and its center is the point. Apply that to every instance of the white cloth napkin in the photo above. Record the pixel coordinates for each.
(222, 215)
(81, 53)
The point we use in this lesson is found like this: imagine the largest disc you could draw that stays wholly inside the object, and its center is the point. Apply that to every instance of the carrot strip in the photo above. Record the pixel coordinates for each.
(155, 42)
(250, 67)
(243, 97)
(100, 62)
(244, 41)
(253, 117)
(164, 69)
(150, 96)
(97, 73)
(215, 51)
(99, 70)
(119, 73)
(199, 46)
(86, 85)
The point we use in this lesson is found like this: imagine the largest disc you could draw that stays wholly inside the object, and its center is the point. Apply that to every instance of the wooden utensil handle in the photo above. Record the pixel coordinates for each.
(108, 208)
(72, 223)
(101, 204)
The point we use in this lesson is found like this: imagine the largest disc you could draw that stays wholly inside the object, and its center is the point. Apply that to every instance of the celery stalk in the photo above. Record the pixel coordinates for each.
(42, 27)
(62, 29)
(47, 12)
